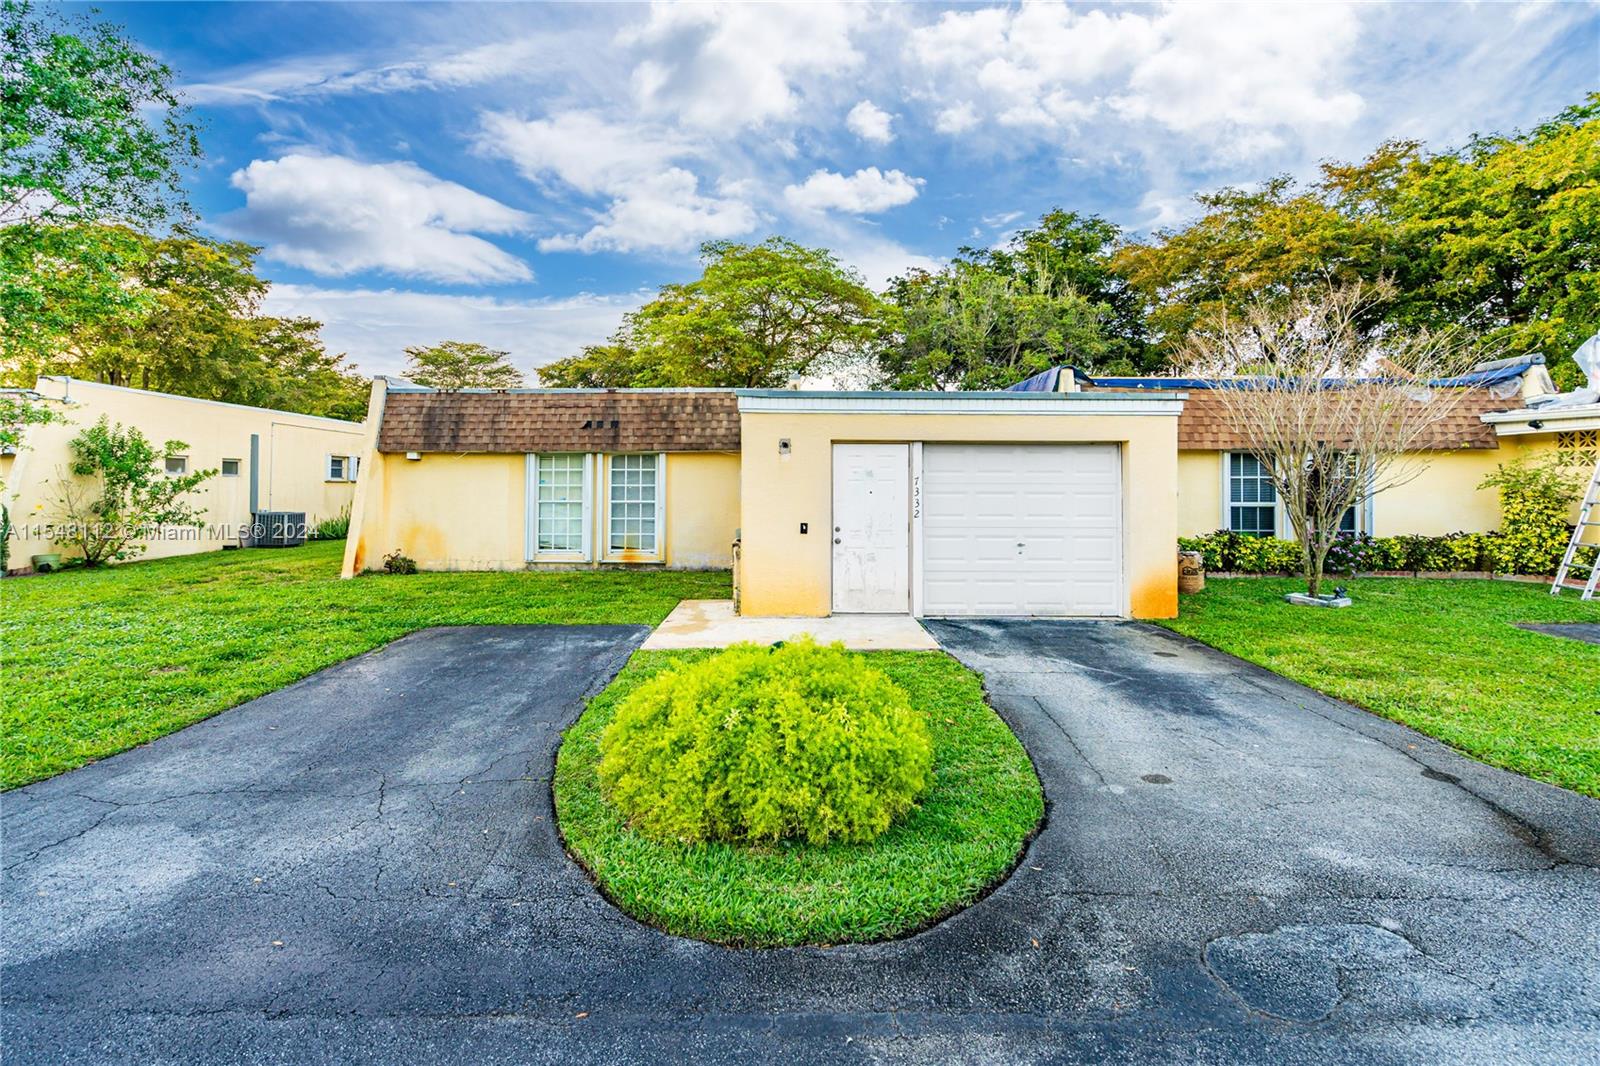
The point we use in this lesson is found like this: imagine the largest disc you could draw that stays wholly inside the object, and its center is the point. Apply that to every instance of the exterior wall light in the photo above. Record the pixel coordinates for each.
(783, 447)
(414, 456)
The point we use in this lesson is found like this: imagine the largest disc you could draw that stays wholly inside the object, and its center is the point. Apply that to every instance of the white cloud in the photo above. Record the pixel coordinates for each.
(580, 148)
(957, 119)
(336, 216)
(870, 122)
(1233, 73)
(374, 326)
(723, 67)
(518, 58)
(661, 213)
(653, 204)
(1247, 66)
(865, 192)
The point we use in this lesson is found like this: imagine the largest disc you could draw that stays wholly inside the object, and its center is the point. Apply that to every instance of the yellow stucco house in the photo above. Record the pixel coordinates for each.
(266, 461)
(1510, 411)
(932, 504)
(1064, 497)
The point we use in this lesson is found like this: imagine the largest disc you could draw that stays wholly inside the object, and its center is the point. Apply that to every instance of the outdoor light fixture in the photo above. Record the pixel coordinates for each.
(413, 456)
(783, 446)
(1535, 424)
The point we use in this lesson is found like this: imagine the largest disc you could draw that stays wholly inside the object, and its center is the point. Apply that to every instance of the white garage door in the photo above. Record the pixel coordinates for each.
(1028, 529)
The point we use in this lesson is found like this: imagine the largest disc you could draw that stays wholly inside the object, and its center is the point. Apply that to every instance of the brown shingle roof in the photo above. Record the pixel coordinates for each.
(601, 421)
(1203, 426)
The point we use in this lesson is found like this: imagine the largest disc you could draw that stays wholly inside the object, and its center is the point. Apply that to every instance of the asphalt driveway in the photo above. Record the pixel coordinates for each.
(362, 867)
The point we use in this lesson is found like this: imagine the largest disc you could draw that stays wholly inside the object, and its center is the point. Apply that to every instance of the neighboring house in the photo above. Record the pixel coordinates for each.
(992, 503)
(265, 460)
(1221, 485)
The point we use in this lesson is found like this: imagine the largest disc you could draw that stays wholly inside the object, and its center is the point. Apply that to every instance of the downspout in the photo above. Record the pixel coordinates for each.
(255, 487)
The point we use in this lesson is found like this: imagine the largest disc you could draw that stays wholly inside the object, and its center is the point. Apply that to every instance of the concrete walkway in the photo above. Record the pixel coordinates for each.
(712, 624)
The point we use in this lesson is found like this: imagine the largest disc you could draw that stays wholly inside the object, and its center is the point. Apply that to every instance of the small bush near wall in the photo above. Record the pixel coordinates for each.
(396, 563)
(760, 744)
(1535, 496)
(335, 528)
(1225, 551)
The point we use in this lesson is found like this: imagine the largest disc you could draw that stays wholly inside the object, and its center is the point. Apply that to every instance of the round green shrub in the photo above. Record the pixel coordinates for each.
(760, 744)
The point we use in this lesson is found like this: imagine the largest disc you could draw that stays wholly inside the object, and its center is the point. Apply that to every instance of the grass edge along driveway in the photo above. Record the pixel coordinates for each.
(965, 836)
(1441, 656)
(98, 661)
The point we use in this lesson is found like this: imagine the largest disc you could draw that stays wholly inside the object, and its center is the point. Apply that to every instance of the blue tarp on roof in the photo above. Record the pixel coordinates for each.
(1046, 381)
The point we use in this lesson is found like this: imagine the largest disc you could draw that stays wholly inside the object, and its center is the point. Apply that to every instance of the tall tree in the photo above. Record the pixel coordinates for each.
(461, 365)
(1500, 237)
(90, 130)
(1336, 413)
(759, 316)
(91, 127)
(193, 326)
(1067, 253)
(970, 326)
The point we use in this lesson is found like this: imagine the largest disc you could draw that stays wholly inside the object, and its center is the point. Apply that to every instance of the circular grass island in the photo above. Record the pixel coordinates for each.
(982, 804)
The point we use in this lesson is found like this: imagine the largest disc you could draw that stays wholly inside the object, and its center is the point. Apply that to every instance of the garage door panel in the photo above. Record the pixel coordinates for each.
(1022, 529)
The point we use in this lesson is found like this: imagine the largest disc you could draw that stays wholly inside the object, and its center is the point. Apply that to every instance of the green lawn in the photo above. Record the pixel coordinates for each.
(97, 661)
(984, 803)
(1441, 656)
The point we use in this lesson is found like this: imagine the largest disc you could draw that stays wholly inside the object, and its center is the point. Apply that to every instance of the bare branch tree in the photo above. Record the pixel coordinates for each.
(1335, 413)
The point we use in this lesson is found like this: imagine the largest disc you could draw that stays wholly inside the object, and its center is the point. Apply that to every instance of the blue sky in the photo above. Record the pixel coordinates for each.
(523, 175)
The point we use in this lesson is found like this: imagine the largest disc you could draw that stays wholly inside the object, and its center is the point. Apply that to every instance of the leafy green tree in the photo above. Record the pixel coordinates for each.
(17, 412)
(970, 326)
(461, 365)
(1504, 235)
(193, 327)
(1500, 238)
(119, 493)
(994, 316)
(1067, 253)
(759, 316)
(90, 129)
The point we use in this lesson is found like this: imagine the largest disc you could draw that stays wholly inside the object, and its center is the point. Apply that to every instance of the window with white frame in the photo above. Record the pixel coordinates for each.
(230, 468)
(560, 504)
(176, 465)
(633, 507)
(341, 467)
(1252, 499)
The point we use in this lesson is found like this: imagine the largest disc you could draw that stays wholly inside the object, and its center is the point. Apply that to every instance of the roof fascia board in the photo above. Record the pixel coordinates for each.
(72, 382)
(958, 403)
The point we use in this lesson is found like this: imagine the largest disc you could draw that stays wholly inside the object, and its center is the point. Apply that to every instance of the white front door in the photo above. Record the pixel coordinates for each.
(1022, 529)
(871, 528)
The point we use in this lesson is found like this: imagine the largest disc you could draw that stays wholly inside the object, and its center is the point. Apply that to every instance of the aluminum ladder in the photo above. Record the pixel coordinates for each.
(1585, 537)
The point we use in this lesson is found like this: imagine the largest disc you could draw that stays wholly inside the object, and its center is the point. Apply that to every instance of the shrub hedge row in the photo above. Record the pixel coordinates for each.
(1238, 553)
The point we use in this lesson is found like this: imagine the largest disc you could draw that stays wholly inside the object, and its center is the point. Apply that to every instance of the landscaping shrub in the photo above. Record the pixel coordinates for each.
(1234, 552)
(757, 745)
(1229, 551)
(1535, 497)
(335, 528)
(395, 563)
